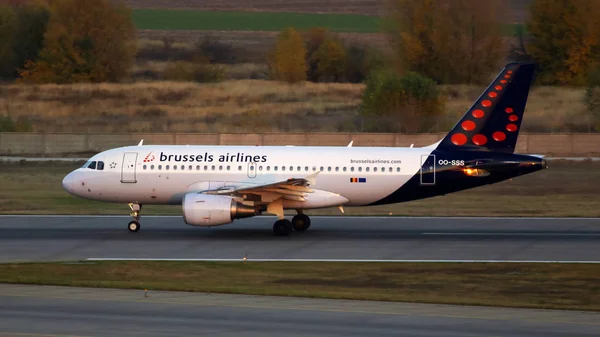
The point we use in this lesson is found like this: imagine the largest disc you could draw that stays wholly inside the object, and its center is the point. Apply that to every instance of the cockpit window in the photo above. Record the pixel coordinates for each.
(92, 165)
(100, 165)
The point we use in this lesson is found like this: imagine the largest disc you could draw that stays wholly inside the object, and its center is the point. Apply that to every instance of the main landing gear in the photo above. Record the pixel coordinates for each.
(134, 225)
(284, 227)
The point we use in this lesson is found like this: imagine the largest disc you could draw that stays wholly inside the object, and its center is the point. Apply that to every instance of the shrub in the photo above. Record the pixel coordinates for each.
(287, 61)
(91, 40)
(216, 51)
(199, 70)
(406, 103)
(360, 61)
(7, 124)
(330, 61)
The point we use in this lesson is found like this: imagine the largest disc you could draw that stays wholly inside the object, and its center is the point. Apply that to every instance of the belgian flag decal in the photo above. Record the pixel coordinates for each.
(358, 180)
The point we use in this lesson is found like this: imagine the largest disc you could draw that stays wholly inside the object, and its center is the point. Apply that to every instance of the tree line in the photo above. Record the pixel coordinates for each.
(432, 42)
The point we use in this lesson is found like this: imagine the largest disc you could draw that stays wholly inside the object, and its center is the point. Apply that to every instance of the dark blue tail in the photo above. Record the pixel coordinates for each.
(494, 121)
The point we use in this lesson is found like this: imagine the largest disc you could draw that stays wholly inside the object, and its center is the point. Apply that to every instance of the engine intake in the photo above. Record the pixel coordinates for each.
(213, 210)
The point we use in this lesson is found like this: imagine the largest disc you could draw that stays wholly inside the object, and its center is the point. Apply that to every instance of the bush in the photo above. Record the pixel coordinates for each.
(216, 51)
(287, 61)
(91, 40)
(330, 61)
(407, 103)
(592, 97)
(199, 70)
(7, 124)
(360, 61)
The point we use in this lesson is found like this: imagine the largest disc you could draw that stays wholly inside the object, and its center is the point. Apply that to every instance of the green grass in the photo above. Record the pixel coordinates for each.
(567, 189)
(251, 21)
(173, 19)
(555, 286)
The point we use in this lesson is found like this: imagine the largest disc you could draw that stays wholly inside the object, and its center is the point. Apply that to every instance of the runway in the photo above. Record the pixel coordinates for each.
(64, 311)
(55, 238)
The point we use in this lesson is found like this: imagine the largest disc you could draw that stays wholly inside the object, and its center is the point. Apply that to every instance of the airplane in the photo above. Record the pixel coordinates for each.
(216, 185)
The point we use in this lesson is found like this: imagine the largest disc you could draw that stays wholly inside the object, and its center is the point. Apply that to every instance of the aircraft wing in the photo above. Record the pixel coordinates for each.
(295, 188)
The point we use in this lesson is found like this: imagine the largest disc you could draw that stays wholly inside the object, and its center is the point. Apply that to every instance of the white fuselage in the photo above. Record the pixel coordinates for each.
(164, 174)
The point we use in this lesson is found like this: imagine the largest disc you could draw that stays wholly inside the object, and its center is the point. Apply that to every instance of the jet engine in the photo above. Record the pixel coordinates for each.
(213, 210)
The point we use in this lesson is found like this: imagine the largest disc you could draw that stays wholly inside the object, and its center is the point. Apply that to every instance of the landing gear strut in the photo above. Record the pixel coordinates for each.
(134, 225)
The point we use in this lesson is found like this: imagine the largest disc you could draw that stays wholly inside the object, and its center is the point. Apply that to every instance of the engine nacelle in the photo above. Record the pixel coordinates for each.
(213, 210)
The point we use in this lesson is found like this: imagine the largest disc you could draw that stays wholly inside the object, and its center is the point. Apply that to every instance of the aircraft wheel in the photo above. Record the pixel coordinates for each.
(301, 222)
(282, 227)
(133, 226)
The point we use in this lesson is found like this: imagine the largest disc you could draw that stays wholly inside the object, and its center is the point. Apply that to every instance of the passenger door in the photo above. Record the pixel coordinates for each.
(428, 169)
(128, 168)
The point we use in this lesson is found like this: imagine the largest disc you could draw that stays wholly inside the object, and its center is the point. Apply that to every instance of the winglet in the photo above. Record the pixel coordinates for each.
(141, 142)
(350, 144)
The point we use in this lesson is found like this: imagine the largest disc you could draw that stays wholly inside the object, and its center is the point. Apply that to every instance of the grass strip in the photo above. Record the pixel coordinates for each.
(549, 286)
(161, 19)
(177, 19)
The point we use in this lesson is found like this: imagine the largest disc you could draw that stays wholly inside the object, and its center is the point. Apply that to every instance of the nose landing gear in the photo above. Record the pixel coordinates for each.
(134, 226)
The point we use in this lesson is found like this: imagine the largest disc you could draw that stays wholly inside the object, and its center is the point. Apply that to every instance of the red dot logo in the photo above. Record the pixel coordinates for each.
(498, 87)
(499, 136)
(503, 81)
(458, 139)
(509, 110)
(486, 103)
(511, 128)
(478, 113)
(510, 71)
(468, 125)
(506, 76)
(513, 118)
(479, 139)
(493, 94)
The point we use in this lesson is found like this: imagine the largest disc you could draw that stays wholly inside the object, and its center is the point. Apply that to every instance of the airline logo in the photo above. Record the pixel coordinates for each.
(358, 180)
(150, 157)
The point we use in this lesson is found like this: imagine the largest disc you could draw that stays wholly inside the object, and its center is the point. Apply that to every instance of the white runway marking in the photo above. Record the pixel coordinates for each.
(331, 260)
(511, 234)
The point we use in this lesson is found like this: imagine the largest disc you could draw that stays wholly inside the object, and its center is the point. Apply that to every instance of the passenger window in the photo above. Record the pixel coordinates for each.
(344, 169)
(160, 167)
(240, 168)
(152, 167)
(337, 169)
(352, 169)
(291, 168)
(268, 168)
(322, 169)
(390, 169)
(92, 165)
(275, 168)
(367, 169)
(145, 167)
(329, 169)
(299, 168)
(228, 167)
(190, 167)
(260, 168)
(197, 167)
(360, 169)
(212, 167)
(374, 169)
(282, 168)
(220, 167)
(306, 168)
(205, 167)
(383, 169)
(314, 168)
(397, 169)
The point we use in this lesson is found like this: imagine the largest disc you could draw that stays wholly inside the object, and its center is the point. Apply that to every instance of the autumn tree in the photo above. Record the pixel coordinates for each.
(451, 41)
(329, 60)
(92, 40)
(287, 61)
(7, 28)
(565, 39)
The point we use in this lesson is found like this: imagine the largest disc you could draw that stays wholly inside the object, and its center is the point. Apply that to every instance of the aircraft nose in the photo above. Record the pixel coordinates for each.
(68, 182)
